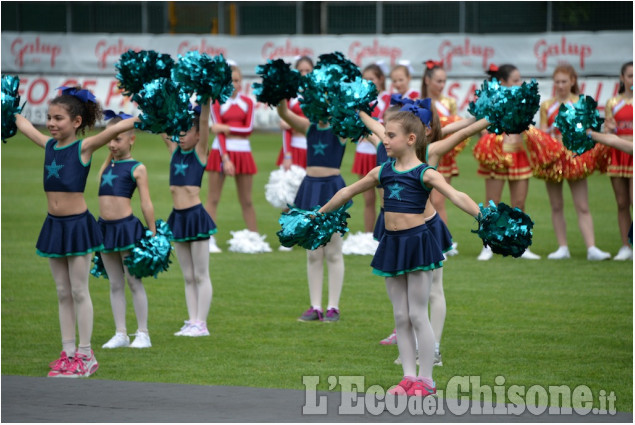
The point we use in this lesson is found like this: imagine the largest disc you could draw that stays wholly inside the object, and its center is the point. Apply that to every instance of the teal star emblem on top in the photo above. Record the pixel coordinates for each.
(53, 170)
(318, 149)
(395, 189)
(180, 168)
(106, 179)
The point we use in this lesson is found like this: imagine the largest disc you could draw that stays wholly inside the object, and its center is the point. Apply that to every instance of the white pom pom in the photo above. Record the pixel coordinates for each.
(283, 185)
(248, 242)
(359, 244)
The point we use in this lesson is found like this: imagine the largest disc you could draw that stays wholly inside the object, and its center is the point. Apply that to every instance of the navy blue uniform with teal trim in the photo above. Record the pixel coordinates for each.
(408, 250)
(118, 180)
(194, 223)
(324, 149)
(77, 234)
(64, 170)
(186, 169)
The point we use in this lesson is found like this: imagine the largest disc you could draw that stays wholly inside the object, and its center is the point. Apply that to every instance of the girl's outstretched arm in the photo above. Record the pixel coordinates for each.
(457, 125)
(443, 146)
(373, 125)
(346, 193)
(92, 143)
(32, 133)
(612, 140)
(298, 123)
(141, 176)
(434, 179)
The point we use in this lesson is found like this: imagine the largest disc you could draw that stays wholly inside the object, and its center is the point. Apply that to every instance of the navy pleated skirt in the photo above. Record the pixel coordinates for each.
(440, 232)
(121, 234)
(191, 224)
(380, 226)
(405, 251)
(314, 191)
(64, 236)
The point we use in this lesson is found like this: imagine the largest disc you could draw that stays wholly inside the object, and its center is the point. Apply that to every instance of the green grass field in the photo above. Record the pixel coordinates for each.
(533, 322)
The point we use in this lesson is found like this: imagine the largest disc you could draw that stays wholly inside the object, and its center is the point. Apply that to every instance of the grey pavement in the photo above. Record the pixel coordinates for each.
(31, 399)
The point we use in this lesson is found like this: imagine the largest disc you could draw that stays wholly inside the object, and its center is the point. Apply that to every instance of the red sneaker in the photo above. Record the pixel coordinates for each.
(419, 389)
(60, 365)
(402, 388)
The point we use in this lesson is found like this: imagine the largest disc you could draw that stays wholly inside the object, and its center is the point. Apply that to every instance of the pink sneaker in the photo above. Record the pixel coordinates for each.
(419, 389)
(82, 366)
(402, 388)
(390, 339)
(60, 365)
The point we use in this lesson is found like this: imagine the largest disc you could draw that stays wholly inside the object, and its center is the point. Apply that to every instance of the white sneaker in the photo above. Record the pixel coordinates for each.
(452, 252)
(528, 255)
(213, 248)
(283, 248)
(183, 329)
(196, 329)
(595, 254)
(142, 340)
(486, 254)
(117, 341)
(560, 254)
(625, 253)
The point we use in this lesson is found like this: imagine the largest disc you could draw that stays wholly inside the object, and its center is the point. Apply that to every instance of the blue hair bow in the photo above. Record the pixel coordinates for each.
(110, 114)
(83, 95)
(422, 108)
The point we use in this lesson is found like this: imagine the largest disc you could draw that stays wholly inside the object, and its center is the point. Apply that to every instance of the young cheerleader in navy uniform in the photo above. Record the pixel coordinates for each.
(231, 153)
(190, 223)
(119, 176)
(293, 151)
(407, 251)
(70, 235)
(365, 150)
(324, 159)
(619, 120)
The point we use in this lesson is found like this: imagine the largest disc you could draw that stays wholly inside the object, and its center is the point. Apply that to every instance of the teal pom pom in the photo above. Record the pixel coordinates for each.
(573, 122)
(346, 101)
(10, 105)
(509, 109)
(311, 229)
(347, 70)
(151, 254)
(279, 82)
(165, 107)
(138, 68)
(98, 269)
(506, 230)
(206, 76)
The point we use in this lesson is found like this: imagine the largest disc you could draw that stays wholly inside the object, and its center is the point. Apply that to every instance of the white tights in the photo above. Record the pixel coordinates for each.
(75, 306)
(409, 294)
(194, 261)
(117, 274)
(332, 252)
(437, 304)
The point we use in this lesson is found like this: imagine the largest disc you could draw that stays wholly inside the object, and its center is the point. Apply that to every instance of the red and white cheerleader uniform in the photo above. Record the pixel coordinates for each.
(411, 93)
(550, 160)
(365, 152)
(292, 142)
(621, 109)
(446, 109)
(238, 113)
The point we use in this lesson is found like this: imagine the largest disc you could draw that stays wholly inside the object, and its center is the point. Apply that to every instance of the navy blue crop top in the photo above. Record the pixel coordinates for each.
(404, 191)
(118, 179)
(186, 168)
(64, 170)
(324, 148)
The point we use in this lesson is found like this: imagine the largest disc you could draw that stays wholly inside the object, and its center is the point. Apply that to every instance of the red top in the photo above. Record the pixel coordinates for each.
(294, 106)
(236, 112)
